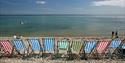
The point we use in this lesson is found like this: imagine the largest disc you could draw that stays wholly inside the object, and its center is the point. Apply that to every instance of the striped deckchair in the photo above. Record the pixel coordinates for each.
(122, 50)
(19, 46)
(89, 45)
(35, 46)
(48, 46)
(114, 45)
(63, 47)
(6, 48)
(76, 45)
(101, 47)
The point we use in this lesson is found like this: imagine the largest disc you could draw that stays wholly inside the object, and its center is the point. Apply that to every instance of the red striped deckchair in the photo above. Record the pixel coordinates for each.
(6, 47)
(101, 47)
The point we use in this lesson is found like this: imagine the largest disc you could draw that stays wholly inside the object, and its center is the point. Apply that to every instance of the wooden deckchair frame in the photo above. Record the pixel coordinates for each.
(25, 49)
(50, 54)
(76, 55)
(68, 52)
(121, 55)
(89, 55)
(100, 55)
(4, 54)
(114, 53)
(30, 47)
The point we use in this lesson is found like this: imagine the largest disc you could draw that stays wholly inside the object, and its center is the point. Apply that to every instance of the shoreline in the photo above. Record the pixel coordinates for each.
(80, 37)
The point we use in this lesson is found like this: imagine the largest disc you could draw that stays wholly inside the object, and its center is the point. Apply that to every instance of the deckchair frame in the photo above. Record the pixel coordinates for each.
(45, 45)
(30, 47)
(3, 50)
(45, 51)
(89, 55)
(18, 51)
(121, 55)
(67, 51)
(102, 54)
(113, 55)
(76, 54)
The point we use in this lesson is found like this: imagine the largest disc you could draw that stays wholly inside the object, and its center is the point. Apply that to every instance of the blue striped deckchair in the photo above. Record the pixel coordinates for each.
(114, 45)
(89, 45)
(123, 46)
(35, 45)
(49, 44)
(122, 49)
(19, 46)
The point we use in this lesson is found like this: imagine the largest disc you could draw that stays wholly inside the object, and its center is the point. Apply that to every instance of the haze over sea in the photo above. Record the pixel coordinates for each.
(61, 25)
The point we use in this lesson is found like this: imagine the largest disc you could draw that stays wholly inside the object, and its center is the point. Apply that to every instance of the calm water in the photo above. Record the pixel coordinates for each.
(49, 25)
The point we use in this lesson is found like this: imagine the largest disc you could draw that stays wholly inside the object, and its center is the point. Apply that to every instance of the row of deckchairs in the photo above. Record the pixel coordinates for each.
(86, 48)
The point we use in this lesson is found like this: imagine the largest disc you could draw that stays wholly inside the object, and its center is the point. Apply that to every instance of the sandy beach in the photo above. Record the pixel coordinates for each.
(41, 60)
(44, 60)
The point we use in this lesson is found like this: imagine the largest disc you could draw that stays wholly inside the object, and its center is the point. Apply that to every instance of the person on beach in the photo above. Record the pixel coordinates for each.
(116, 34)
(113, 34)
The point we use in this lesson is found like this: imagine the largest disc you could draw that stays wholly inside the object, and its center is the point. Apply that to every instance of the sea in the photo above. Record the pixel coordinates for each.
(61, 25)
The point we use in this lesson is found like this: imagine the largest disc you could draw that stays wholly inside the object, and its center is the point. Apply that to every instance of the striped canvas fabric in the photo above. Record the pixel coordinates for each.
(63, 44)
(49, 44)
(7, 47)
(89, 45)
(35, 44)
(76, 46)
(115, 43)
(123, 46)
(102, 45)
(19, 45)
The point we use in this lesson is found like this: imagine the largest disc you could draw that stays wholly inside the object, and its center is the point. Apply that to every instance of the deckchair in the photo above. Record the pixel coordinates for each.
(101, 47)
(76, 45)
(19, 46)
(6, 48)
(89, 45)
(63, 47)
(48, 45)
(122, 50)
(35, 46)
(114, 45)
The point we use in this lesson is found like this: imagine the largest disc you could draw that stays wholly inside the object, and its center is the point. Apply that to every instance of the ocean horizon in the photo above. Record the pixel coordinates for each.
(61, 25)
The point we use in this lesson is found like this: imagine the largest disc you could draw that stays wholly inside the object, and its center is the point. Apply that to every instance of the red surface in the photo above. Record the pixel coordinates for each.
(7, 47)
(102, 45)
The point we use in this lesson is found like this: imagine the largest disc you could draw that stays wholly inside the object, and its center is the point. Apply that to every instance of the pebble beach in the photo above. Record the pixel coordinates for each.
(41, 60)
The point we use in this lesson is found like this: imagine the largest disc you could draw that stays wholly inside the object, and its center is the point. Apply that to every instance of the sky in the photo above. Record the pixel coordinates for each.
(62, 6)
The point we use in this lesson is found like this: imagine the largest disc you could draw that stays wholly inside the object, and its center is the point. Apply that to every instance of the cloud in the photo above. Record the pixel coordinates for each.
(41, 2)
(119, 3)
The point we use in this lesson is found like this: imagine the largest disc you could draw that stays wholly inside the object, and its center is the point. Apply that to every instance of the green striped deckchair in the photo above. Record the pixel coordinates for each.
(63, 46)
(76, 45)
